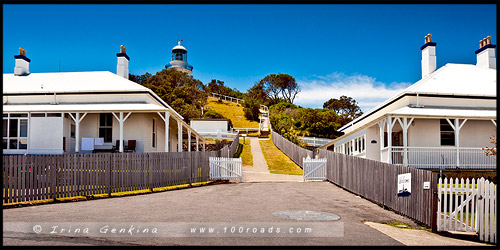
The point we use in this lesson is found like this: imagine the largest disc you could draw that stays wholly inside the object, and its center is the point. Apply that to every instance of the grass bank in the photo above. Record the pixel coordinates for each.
(277, 161)
(245, 152)
(232, 111)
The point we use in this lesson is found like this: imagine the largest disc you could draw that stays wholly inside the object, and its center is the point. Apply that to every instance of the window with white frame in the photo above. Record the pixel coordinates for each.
(106, 126)
(15, 131)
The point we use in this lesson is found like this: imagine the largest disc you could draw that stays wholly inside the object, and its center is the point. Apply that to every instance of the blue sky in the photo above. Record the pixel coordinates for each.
(369, 52)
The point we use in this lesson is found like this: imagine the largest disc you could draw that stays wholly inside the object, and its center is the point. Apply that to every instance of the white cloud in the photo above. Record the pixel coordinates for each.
(364, 89)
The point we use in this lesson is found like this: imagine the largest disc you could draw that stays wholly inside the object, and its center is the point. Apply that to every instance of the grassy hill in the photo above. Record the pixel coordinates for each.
(232, 111)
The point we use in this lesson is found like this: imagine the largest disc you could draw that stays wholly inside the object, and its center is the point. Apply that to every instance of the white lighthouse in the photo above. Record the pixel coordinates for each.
(179, 59)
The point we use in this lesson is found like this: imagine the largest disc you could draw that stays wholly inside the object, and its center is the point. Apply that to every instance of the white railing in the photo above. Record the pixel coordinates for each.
(218, 135)
(227, 98)
(239, 130)
(442, 158)
(465, 206)
(316, 141)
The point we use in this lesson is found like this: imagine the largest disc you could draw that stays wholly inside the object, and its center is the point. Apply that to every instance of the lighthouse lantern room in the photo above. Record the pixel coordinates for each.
(179, 59)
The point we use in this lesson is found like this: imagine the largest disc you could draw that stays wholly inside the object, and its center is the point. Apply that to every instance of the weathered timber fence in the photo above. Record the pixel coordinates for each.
(39, 177)
(293, 151)
(377, 181)
(229, 151)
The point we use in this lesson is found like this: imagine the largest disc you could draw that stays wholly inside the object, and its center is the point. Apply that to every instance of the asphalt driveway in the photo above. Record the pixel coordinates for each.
(236, 203)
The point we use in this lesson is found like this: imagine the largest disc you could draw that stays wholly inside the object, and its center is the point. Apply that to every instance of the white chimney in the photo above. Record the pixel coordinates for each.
(22, 63)
(486, 54)
(122, 66)
(428, 56)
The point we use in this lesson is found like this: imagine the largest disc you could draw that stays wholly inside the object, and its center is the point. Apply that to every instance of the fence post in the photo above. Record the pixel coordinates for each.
(190, 170)
(109, 175)
(150, 172)
(434, 203)
(53, 173)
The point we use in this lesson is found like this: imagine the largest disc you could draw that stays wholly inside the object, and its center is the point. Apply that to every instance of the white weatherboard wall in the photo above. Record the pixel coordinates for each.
(209, 126)
(45, 135)
(373, 149)
(425, 133)
(476, 133)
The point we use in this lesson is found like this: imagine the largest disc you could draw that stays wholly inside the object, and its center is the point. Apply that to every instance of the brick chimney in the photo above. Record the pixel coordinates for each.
(22, 63)
(123, 59)
(486, 54)
(428, 56)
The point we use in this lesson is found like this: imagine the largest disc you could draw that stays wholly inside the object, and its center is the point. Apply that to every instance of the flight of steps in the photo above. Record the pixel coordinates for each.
(264, 122)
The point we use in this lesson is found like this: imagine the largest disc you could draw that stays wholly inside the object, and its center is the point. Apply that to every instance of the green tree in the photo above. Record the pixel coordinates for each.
(275, 88)
(346, 107)
(180, 90)
(251, 109)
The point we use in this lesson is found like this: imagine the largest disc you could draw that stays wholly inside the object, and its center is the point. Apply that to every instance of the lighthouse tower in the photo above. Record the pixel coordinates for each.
(179, 59)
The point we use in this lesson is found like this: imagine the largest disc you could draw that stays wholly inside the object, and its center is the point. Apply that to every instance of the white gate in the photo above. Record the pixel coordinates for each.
(314, 169)
(468, 207)
(222, 168)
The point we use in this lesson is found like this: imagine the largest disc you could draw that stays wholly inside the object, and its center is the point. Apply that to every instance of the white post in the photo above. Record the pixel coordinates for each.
(457, 140)
(405, 125)
(121, 132)
(197, 143)
(77, 121)
(389, 139)
(121, 120)
(203, 145)
(167, 130)
(179, 136)
(381, 125)
(77, 133)
(189, 140)
(457, 126)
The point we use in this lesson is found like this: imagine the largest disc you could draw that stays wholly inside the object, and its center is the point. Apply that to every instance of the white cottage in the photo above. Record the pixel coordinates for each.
(68, 112)
(442, 121)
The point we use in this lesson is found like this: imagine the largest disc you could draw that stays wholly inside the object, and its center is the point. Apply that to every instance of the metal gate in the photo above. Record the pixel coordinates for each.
(468, 207)
(314, 169)
(222, 168)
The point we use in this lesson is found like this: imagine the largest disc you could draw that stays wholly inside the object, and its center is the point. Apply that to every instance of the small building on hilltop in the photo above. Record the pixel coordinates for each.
(443, 121)
(68, 112)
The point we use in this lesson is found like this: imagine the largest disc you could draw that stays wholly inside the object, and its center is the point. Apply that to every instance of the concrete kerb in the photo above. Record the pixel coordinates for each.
(105, 196)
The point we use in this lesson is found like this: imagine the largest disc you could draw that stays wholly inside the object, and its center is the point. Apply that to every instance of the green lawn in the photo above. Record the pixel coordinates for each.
(277, 161)
(245, 152)
(232, 111)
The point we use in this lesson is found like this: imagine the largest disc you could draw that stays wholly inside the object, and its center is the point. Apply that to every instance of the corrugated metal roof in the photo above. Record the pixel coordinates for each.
(451, 79)
(60, 82)
(85, 107)
(445, 112)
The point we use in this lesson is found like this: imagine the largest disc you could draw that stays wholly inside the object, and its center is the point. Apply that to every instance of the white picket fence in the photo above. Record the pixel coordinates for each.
(314, 169)
(459, 200)
(222, 168)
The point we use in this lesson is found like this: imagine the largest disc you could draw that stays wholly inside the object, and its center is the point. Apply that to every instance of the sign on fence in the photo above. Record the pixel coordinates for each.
(404, 184)
(225, 168)
(314, 169)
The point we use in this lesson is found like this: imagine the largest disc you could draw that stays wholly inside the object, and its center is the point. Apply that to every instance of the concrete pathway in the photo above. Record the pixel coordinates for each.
(411, 237)
(259, 172)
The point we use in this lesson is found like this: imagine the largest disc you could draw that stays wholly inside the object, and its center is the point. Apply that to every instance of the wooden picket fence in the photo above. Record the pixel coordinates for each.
(294, 152)
(40, 177)
(222, 168)
(314, 169)
(468, 206)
